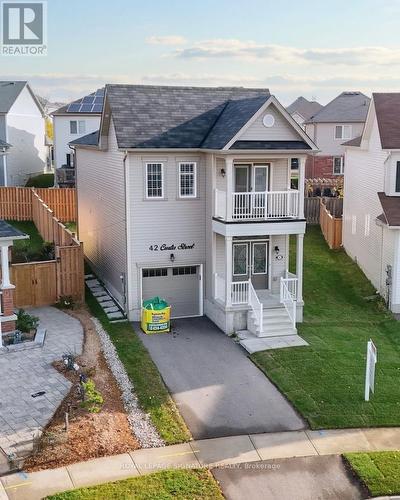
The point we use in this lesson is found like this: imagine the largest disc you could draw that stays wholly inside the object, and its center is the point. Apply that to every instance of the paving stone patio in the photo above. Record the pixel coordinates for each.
(27, 372)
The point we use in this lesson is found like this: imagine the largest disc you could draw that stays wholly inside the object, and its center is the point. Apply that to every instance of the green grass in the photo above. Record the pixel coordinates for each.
(193, 484)
(35, 241)
(41, 181)
(379, 471)
(150, 389)
(325, 381)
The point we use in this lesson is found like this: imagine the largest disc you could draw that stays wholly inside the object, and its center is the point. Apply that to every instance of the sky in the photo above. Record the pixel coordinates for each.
(312, 48)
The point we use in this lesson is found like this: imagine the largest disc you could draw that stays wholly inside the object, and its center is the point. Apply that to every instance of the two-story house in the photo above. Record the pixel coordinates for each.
(302, 109)
(70, 122)
(371, 209)
(186, 193)
(22, 125)
(340, 120)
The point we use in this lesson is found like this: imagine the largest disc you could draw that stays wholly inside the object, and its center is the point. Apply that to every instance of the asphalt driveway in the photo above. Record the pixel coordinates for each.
(218, 390)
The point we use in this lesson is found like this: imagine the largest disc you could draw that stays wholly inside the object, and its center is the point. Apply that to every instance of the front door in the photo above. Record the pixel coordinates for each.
(250, 261)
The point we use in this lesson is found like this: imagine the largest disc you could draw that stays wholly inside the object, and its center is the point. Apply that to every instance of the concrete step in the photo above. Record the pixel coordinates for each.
(276, 323)
(277, 327)
(284, 332)
(278, 312)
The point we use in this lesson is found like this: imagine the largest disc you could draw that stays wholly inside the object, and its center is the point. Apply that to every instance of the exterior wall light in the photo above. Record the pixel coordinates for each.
(172, 257)
(223, 172)
(276, 250)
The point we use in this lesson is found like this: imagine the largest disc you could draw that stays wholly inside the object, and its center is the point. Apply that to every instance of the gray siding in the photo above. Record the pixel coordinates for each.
(280, 131)
(169, 221)
(101, 206)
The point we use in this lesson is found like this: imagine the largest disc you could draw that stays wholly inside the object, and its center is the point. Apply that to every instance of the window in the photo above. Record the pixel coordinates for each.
(398, 177)
(187, 180)
(294, 173)
(294, 163)
(343, 132)
(154, 180)
(179, 271)
(77, 127)
(338, 165)
(240, 259)
(155, 273)
(69, 159)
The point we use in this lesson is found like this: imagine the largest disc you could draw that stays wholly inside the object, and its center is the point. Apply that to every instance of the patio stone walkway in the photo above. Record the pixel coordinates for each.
(24, 373)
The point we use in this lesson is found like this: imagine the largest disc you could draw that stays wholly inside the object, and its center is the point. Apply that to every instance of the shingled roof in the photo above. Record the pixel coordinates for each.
(391, 209)
(348, 107)
(180, 117)
(8, 232)
(91, 139)
(10, 90)
(387, 109)
(304, 107)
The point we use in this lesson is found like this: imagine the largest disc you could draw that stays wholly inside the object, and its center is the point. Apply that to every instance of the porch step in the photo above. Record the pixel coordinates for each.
(276, 312)
(275, 323)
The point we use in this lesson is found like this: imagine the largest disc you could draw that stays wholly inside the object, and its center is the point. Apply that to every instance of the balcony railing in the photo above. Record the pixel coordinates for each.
(257, 205)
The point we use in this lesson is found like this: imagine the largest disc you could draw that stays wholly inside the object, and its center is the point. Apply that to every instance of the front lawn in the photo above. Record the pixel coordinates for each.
(195, 484)
(379, 471)
(325, 381)
(149, 387)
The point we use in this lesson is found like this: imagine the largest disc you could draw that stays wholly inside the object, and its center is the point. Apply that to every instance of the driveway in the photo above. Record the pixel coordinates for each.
(284, 479)
(218, 390)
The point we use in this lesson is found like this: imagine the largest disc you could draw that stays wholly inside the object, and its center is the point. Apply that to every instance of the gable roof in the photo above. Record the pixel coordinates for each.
(349, 107)
(353, 142)
(304, 107)
(387, 109)
(9, 91)
(148, 116)
(78, 107)
(91, 139)
(391, 209)
(8, 232)
(4, 145)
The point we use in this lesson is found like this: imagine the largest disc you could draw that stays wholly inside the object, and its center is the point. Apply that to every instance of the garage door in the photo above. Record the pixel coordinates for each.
(179, 286)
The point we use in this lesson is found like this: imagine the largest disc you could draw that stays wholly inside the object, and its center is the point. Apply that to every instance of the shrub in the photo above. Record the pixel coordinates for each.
(66, 302)
(26, 322)
(93, 399)
(41, 181)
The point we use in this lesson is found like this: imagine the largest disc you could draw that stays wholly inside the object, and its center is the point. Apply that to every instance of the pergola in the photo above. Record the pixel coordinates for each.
(8, 235)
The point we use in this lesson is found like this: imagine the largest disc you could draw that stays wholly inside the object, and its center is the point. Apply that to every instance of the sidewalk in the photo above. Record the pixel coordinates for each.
(207, 452)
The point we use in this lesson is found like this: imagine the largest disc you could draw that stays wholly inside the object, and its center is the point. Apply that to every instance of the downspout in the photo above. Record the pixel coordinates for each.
(126, 275)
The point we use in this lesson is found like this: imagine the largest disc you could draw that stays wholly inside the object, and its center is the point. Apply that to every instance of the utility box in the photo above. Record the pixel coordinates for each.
(156, 316)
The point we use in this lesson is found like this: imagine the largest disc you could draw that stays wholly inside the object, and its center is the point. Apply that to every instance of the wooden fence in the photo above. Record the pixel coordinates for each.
(312, 208)
(331, 227)
(43, 283)
(16, 203)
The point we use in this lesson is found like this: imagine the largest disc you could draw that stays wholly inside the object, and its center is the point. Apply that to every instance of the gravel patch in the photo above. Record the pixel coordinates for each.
(139, 421)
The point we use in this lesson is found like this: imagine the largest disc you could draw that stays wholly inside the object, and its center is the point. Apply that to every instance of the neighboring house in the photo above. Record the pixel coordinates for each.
(22, 124)
(340, 120)
(302, 109)
(4, 147)
(186, 194)
(71, 122)
(371, 211)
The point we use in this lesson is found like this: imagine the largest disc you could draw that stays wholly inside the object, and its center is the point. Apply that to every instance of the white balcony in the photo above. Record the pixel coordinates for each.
(257, 206)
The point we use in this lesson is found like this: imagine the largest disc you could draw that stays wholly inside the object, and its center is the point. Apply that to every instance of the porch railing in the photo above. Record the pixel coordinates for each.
(288, 297)
(240, 292)
(257, 307)
(257, 205)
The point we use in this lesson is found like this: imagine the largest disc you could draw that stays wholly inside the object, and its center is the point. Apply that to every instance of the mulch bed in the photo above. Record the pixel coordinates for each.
(89, 435)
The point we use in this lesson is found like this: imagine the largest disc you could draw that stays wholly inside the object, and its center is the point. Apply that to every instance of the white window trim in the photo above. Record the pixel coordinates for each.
(79, 123)
(233, 259)
(341, 165)
(76, 122)
(194, 195)
(147, 181)
(342, 138)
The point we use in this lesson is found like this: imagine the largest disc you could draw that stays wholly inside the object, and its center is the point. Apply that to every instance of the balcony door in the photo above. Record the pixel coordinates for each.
(251, 183)
(250, 262)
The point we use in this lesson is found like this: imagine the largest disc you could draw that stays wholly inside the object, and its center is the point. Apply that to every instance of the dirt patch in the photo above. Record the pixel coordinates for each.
(89, 435)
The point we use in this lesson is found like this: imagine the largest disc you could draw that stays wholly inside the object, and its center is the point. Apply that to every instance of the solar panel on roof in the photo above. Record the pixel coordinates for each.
(92, 103)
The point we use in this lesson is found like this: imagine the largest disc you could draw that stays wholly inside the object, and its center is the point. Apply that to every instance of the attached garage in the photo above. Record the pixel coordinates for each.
(180, 286)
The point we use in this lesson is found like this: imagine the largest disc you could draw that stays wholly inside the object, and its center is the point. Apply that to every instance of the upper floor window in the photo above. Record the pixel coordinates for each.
(398, 177)
(154, 180)
(294, 173)
(338, 165)
(77, 127)
(187, 180)
(343, 132)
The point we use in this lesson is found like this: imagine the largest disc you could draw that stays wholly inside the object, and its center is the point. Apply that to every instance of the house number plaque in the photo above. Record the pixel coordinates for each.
(164, 246)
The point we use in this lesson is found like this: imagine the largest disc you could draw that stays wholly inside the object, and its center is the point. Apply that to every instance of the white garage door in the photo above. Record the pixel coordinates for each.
(179, 286)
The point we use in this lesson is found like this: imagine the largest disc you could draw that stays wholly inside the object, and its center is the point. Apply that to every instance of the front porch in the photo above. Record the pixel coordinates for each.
(256, 283)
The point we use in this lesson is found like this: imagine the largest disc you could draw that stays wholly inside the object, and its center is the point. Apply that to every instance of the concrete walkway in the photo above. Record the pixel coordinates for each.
(26, 373)
(209, 452)
(217, 388)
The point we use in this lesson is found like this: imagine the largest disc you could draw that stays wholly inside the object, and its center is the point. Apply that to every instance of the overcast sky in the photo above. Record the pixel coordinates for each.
(311, 48)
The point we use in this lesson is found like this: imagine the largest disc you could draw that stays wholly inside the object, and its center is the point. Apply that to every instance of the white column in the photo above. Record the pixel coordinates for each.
(395, 289)
(228, 270)
(299, 265)
(5, 280)
(229, 187)
(214, 262)
(302, 173)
